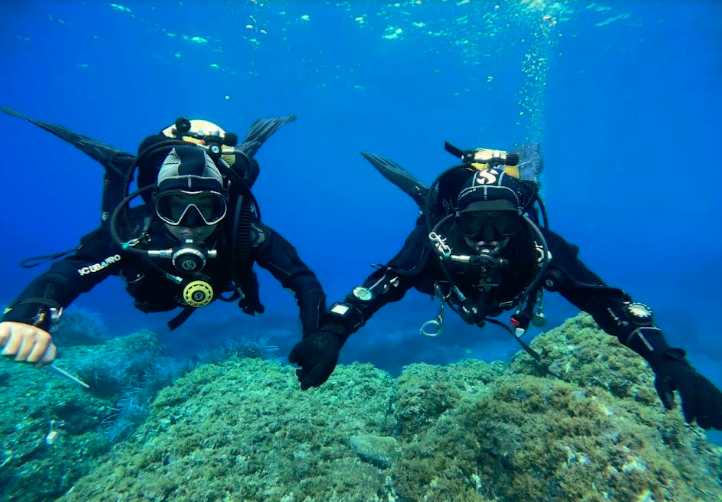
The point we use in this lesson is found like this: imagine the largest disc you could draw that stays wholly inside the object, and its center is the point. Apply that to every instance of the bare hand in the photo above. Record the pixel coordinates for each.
(27, 343)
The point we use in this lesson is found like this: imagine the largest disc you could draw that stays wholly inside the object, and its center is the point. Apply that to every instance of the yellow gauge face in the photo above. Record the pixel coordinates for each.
(198, 294)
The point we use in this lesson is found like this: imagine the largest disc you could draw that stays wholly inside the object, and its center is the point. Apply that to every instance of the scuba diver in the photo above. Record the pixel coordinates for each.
(190, 234)
(481, 248)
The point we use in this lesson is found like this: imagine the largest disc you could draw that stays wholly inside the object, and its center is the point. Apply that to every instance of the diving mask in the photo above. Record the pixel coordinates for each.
(191, 209)
(488, 221)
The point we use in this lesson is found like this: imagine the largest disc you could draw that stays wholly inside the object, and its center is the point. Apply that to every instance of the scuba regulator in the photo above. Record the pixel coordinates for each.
(190, 256)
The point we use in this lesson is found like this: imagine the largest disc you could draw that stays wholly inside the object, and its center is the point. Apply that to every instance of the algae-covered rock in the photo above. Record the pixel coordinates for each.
(381, 451)
(424, 392)
(580, 353)
(535, 438)
(242, 430)
(584, 426)
(52, 430)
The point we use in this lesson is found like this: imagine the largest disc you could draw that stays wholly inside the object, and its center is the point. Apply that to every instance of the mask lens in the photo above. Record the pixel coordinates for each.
(471, 223)
(487, 225)
(198, 208)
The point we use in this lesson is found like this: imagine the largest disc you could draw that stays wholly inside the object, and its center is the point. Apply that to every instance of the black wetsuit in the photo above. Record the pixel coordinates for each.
(99, 257)
(418, 266)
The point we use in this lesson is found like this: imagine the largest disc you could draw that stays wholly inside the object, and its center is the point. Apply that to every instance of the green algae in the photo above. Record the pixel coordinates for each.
(242, 429)
(585, 425)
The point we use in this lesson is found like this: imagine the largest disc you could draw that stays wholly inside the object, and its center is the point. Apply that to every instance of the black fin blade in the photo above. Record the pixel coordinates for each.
(260, 131)
(105, 154)
(399, 177)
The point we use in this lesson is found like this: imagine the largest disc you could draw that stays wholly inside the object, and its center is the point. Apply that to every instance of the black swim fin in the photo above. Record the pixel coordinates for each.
(111, 158)
(118, 164)
(260, 131)
(399, 177)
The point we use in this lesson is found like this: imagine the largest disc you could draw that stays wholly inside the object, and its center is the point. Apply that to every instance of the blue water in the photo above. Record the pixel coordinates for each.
(624, 98)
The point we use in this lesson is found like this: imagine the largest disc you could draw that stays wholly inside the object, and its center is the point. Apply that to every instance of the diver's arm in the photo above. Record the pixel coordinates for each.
(96, 258)
(278, 256)
(385, 285)
(616, 313)
(609, 306)
(318, 352)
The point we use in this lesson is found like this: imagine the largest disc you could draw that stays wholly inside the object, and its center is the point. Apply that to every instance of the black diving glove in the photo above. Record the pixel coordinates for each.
(317, 355)
(701, 399)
